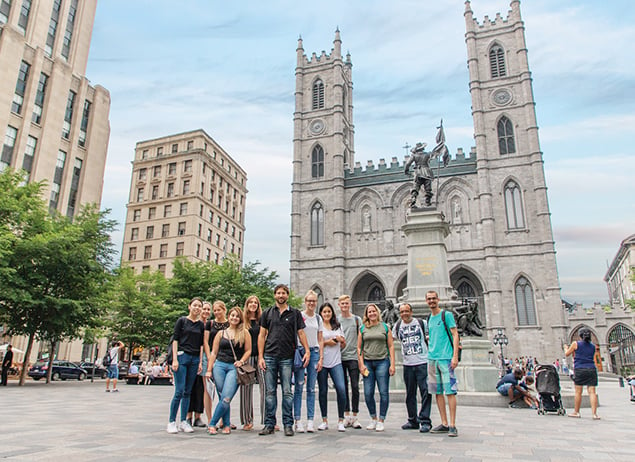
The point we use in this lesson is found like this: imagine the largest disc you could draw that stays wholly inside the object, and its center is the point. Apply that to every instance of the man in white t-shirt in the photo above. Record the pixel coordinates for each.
(411, 332)
(113, 369)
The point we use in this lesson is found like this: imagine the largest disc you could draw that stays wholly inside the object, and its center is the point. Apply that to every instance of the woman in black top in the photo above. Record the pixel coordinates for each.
(252, 314)
(212, 327)
(231, 349)
(186, 351)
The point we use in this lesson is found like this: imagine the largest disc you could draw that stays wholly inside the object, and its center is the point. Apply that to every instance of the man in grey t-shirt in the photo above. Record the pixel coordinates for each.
(350, 326)
(411, 332)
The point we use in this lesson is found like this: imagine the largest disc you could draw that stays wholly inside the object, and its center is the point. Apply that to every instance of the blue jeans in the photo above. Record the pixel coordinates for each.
(226, 382)
(311, 378)
(377, 373)
(278, 368)
(337, 375)
(416, 377)
(184, 378)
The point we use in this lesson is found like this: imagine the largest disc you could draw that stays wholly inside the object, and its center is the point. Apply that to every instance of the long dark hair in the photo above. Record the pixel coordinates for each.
(585, 334)
(335, 324)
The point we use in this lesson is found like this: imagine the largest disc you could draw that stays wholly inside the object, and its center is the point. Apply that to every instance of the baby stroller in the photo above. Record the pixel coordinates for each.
(548, 388)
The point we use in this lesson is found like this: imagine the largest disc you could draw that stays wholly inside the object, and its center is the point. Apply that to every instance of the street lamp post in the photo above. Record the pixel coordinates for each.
(501, 339)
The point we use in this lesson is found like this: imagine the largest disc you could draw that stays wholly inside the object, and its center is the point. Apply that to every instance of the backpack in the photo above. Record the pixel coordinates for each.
(447, 331)
(107, 360)
(423, 324)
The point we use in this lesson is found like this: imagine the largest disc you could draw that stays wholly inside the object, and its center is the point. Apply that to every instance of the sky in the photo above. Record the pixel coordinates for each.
(228, 68)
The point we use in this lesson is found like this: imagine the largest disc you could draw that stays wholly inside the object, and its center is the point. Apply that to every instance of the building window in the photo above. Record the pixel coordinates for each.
(317, 225)
(317, 162)
(181, 229)
(70, 25)
(161, 269)
(58, 176)
(38, 104)
(20, 88)
(172, 169)
(216, 257)
(139, 194)
(155, 192)
(190, 145)
(318, 95)
(156, 171)
(29, 155)
(7, 149)
(233, 231)
(183, 208)
(175, 148)
(170, 192)
(134, 234)
(200, 211)
(23, 19)
(152, 213)
(497, 61)
(150, 232)
(217, 240)
(50, 36)
(506, 144)
(179, 248)
(5, 9)
(72, 195)
(219, 221)
(514, 206)
(200, 229)
(210, 216)
(68, 114)
(167, 211)
(525, 307)
(147, 252)
(187, 166)
(186, 187)
(165, 230)
(132, 253)
(159, 151)
(145, 269)
(142, 174)
(144, 154)
(83, 129)
(208, 253)
(209, 235)
(136, 215)
(163, 251)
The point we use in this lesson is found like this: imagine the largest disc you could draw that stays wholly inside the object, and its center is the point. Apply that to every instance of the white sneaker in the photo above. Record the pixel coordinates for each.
(299, 428)
(348, 421)
(355, 423)
(372, 425)
(379, 427)
(186, 427)
(323, 426)
(340, 427)
(309, 427)
(172, 428)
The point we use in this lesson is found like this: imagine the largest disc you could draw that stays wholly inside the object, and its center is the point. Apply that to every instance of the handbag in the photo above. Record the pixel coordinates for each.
(298, 358)
(245, 374)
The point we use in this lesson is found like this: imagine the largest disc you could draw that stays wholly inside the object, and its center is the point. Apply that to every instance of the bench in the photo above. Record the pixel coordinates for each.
(161, 380)
(132, 379)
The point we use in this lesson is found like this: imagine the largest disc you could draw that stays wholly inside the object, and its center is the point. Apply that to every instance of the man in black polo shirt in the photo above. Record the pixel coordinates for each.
(279, 326)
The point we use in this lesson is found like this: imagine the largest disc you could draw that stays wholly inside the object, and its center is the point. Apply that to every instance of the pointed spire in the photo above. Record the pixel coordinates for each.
(299, 52)
(469, 16)
(337, 44)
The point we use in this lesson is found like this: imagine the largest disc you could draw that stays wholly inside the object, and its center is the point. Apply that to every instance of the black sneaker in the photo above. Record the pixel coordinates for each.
(440, 429)
(453, 432)
(410, 426)
(288, 430)
(266, 431)
(425, 428)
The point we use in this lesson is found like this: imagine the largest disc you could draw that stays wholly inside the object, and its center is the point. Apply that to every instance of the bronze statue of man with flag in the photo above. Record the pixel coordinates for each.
(422, 170)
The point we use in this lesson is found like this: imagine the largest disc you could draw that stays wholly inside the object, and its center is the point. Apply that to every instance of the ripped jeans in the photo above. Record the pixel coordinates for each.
(226, 382)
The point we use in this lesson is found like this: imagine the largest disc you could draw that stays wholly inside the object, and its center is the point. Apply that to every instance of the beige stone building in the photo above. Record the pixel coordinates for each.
(54, 123)
(187, 198)
(346, 235)
(619, 276)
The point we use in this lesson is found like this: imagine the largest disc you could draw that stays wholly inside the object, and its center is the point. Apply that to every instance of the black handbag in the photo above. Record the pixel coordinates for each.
(245, 374)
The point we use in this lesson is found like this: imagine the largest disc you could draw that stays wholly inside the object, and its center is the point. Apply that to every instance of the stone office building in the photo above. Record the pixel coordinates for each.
(346, 233)
(187, 198)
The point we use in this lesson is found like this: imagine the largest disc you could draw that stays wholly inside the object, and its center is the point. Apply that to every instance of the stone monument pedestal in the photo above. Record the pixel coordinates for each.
(475, 373)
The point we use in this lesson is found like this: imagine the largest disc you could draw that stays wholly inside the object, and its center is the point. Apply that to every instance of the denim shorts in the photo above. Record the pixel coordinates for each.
(113, 371)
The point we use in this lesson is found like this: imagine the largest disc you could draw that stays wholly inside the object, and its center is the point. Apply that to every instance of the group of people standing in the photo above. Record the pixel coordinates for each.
(299, 349)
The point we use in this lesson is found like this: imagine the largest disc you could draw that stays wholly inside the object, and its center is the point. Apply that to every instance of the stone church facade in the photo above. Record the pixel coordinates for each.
(346, 233)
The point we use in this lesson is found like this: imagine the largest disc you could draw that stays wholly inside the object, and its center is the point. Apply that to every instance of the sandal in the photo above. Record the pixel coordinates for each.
(575, 415)
(232, 426)
(248, 427)
(226, 431)
(596, 417)
(212, 431)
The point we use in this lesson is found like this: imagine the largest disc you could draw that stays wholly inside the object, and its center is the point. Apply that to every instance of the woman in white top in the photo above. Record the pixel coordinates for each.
(334, 341)
(313, 330)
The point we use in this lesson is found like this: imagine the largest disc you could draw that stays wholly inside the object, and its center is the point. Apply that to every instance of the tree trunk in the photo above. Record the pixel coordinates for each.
(52, 346)
(25, 364)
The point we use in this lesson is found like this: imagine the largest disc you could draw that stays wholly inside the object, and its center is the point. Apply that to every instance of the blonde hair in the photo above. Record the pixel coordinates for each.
(311, 292)
(246, 319)
(341, 298)
(365, 319)
(240, 331)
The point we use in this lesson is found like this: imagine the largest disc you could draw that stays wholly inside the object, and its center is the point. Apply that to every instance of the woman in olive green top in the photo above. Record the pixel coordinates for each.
(376, 363)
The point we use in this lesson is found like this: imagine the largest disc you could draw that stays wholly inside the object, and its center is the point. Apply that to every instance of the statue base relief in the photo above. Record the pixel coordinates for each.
(474, 372)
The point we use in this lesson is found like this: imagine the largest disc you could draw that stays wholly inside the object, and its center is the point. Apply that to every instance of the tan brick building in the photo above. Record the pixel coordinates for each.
(187, 198)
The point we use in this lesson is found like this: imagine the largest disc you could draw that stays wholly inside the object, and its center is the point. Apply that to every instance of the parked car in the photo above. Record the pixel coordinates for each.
(100, 371)
(62, 370)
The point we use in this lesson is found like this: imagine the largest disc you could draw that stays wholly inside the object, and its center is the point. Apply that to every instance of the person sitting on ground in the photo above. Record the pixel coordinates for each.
(508, 386)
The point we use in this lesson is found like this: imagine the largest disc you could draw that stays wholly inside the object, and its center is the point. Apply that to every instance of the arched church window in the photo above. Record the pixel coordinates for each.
(497, 61)
(376, 293)
(320, 295)
(317, 162)
(466, 290)
(514, 206)
(525, 307)
(506, 144)
(317, 224)
(318, 95)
